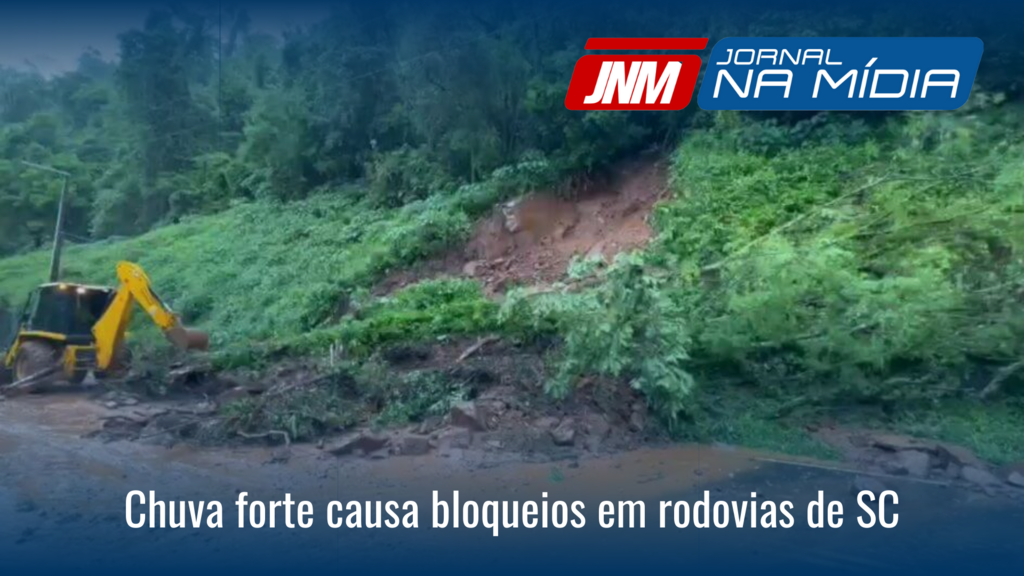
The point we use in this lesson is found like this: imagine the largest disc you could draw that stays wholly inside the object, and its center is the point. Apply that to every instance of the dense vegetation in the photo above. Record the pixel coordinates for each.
(824, 264)
(866, 265)
(409, 99)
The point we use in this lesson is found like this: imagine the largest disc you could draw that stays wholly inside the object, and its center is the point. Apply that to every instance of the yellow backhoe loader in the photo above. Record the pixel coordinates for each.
(73, 329)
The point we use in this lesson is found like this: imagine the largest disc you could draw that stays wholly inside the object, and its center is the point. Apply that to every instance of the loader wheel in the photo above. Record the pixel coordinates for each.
(35, 356)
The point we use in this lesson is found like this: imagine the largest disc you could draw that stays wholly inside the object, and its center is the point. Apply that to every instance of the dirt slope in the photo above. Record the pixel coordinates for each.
(532, 240)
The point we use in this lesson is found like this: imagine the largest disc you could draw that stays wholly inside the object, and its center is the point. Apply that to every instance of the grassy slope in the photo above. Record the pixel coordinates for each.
(258, 271)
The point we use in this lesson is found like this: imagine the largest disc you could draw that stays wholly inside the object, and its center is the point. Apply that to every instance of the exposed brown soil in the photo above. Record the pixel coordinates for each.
(532, 240)
(510, 412)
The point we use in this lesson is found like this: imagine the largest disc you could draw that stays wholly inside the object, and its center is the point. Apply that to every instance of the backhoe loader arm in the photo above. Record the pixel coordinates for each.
(135, 286)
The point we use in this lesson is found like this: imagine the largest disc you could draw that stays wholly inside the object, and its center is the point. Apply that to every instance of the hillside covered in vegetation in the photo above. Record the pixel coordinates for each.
(850, 267)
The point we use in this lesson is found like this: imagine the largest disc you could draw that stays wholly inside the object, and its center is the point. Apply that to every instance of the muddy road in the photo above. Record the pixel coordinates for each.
(62, 504)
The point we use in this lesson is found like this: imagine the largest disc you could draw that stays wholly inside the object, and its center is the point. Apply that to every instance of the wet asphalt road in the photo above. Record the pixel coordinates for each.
(62, 505)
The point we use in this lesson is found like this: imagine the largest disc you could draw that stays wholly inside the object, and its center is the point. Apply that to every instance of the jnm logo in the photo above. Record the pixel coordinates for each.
(634, 81)
(810, 74)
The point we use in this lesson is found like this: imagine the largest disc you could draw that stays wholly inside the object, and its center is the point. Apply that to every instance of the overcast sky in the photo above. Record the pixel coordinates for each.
(51, 35)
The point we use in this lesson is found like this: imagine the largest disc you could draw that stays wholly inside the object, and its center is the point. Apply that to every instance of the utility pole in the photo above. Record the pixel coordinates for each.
(58, 234)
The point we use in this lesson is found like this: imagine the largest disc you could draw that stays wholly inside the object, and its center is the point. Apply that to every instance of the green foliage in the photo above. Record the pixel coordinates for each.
(628, 326)
(400, 176)
(872, 270)
(303, 414)
(403, 398)
(421, 312)
(276, 147)
(413, 100)
(824, 262)
(348, 394)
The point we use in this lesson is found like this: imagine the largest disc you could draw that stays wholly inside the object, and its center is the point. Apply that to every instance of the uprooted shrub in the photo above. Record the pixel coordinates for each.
(625, 326)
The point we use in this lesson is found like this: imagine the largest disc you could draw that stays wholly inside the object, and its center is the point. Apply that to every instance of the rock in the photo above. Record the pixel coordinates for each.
(862, 483)
(358, 442)
(565, 433)
(637, 421)
(546, 423)
(379, 454)
(120, 428)
(948, 454)
(895, 443)
(951, 471)
(916, 463)
(490, 411)
(471, 268)
(455, 438)
(413, 445)
(429, 425)
(597, 429)
(187, 376)
(978, 476)
(465, 415)
(1015, 479)
(597, 426)
(909, 463)
(597, 251)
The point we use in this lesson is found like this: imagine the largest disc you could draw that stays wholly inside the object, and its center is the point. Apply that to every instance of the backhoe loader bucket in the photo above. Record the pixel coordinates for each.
(188, 339)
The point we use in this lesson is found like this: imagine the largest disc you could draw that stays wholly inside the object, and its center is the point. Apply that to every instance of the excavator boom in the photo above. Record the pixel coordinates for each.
(135, 286)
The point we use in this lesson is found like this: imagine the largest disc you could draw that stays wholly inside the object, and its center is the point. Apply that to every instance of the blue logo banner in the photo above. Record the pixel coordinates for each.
(840, 74)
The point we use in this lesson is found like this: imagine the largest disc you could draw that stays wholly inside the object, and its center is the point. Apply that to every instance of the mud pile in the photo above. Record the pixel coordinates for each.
(532, 240)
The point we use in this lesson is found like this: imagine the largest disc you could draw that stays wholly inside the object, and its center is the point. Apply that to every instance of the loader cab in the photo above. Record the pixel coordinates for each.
(67, 309)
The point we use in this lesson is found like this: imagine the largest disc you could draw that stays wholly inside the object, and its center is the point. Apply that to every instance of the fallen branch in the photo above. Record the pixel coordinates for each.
(277, 391)
(475, 348)
(30, 381)
(792, 222)
(933, 222)
(1001, 377)
(267, 434)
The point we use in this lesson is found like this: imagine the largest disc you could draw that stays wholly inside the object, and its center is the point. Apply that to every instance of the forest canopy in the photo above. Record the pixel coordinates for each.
(200, 110)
